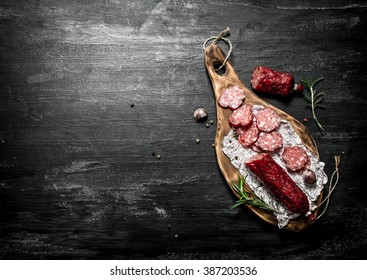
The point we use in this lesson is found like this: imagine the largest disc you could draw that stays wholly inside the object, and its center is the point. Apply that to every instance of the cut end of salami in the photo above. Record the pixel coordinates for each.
(267, 120)
(298, 87)
(242, 116)
(231, 97)
(295, 158)
(270, 81)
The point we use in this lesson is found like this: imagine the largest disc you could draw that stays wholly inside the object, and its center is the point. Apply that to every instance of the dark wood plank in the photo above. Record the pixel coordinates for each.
(78, 178)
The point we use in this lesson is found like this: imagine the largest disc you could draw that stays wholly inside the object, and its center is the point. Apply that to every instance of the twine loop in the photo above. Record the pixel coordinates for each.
(332, 186)
(221, 36)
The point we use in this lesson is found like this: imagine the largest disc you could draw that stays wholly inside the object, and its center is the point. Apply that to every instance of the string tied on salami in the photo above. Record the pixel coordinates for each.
(221, 36)
(332, 186)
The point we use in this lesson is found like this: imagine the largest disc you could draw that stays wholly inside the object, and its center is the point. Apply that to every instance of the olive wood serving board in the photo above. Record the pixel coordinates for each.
(214, 57)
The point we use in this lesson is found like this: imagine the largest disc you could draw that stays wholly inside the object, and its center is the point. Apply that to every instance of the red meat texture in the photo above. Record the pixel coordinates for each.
(267, 120)
(270, 81)
(277, 181)
(257, 133)
(247, 136)
(242, 116)
(269, 142)
(231, 97)
(295, 158)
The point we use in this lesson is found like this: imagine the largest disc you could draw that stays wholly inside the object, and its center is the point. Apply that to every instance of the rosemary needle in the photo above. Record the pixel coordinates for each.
(248, 197)
(314, 97)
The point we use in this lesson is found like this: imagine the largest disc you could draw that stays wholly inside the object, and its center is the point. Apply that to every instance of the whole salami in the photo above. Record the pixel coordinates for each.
(279, 183)
(274, 82)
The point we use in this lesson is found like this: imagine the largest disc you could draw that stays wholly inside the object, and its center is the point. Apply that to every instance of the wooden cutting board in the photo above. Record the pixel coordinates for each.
(214, 57)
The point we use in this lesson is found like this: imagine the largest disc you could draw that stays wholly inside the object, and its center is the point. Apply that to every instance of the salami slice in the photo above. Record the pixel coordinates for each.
(231, 97)
(269, 142)
(242, 116)
(267, 120)
(248, 135)
(295, 158)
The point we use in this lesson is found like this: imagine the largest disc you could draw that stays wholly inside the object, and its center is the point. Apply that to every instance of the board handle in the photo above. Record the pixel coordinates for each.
(227, 76)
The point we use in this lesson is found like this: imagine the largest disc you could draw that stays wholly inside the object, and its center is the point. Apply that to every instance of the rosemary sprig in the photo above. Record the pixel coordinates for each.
(314, 98)
(248, 197)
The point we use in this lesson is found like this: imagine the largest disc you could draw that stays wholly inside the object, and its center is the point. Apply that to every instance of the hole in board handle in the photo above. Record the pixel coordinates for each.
(217, 65)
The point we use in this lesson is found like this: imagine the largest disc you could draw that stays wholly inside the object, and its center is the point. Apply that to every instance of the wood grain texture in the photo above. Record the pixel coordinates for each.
(78, 178)
(214, 56)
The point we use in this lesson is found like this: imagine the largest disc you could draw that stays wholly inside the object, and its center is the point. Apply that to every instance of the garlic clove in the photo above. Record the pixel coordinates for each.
(309, 177)
(200, 114)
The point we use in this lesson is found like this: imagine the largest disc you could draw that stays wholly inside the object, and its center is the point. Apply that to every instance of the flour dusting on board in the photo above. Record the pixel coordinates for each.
(238, 155)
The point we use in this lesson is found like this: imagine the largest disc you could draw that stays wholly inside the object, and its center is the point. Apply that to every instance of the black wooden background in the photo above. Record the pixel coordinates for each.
(91, 92)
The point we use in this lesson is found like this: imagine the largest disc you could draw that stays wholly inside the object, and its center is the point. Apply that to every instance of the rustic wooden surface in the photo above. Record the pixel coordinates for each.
(79, 173)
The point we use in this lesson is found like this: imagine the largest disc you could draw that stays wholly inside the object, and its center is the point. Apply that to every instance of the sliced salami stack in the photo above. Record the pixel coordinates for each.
(258, 129)
(261, 135)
